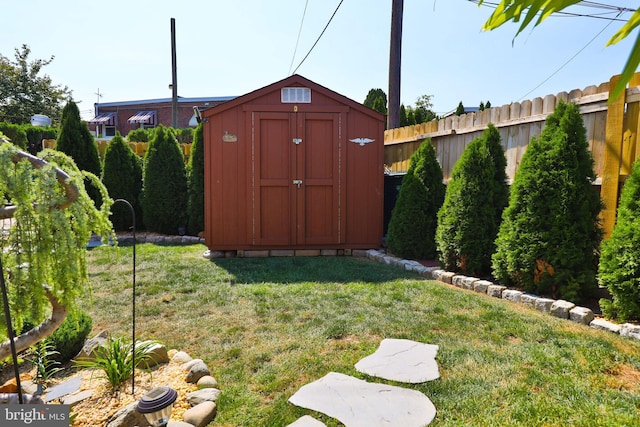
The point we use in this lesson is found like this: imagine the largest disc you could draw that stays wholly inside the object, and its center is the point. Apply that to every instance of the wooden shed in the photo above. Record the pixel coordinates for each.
(293, 166)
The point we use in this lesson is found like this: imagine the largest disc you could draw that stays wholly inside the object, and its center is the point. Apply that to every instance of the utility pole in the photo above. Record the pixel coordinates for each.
(395, 54)
(174, 77)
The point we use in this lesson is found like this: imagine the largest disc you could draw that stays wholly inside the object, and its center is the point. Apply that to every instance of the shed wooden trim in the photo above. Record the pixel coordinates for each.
(293, 80)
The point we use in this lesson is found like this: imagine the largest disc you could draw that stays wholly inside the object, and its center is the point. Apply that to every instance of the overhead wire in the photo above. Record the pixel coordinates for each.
(298, 39)
(319, 37)
(618, 10)
(568, 60)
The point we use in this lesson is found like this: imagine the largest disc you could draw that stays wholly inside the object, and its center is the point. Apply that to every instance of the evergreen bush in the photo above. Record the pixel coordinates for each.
(413, 221)
(70, 336)
(122, 175)
(76, 141)
(184, 135)
(164, 194)
(550, 233)
(35, 135)
(138, 135)
(620, 260)
(475, 197)
(195, 170)
(15, 133)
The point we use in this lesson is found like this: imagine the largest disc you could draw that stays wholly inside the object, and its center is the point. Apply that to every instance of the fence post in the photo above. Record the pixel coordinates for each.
(611, 164)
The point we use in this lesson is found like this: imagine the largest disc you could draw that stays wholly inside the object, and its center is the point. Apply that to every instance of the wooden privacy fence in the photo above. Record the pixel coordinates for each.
(140, 148)
(612, 131)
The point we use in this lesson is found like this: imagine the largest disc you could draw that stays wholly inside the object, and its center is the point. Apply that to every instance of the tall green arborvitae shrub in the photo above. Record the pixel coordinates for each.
(550, 231)
(413, 221)
(76, 141)
(164, 194)
(476, 195)
(195, 170)
(122, 175)
(620, 260)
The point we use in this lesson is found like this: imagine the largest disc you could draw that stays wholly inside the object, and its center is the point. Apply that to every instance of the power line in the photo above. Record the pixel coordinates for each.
(617, 10)
(319, 37)
(298, 39)
(569, 60)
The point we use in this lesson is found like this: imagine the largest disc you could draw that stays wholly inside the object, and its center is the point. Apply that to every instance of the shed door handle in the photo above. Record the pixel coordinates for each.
(297, 182)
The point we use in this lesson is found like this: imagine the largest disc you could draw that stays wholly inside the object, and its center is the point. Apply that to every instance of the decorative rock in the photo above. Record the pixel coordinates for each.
(457, 280)
(207, 382)
(204, 395)
(581, 315)
(630, 331)
(172, 353)
(157, 354)
(437, 273)
(446, 277)
(544, 304)
(605, 325)
(178, 424)
(402, 360)
(481, 286)
(307, 421)
(187, 365)
(74, 399)
(496, 290)
(197, 371)
(201, 414)
(512, 295)
(529, 300)
(181, 357)
(561, 308)
(89, 347)
(127, 416)
(357, 403)
(467, 282)
(28, 386)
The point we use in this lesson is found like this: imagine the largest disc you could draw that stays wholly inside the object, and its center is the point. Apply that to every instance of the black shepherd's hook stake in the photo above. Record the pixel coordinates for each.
(7, 315)
(133, 308)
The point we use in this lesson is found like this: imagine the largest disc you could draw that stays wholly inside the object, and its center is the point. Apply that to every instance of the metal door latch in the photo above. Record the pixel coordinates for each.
(297, 182)
(297, 141)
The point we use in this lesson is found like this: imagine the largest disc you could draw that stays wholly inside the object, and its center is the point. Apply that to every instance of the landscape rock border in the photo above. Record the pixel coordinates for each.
(557, 308)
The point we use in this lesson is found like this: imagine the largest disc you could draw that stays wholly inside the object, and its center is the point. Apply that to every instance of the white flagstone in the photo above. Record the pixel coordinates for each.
(402, 360)
(307, 421)
(357, 403)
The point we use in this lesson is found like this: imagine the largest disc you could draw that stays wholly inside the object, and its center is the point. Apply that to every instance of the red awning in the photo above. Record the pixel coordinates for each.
(145, 117)
(108, 119)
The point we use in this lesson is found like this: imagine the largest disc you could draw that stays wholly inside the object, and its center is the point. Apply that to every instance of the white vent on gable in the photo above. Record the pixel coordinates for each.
(291, 95)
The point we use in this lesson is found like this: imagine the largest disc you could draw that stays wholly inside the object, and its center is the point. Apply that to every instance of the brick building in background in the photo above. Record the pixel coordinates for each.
(128, 115)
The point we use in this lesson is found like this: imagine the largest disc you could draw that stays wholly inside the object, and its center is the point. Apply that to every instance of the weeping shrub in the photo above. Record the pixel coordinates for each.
(476, 195)
(550, 231)
(412, 227)
(620, 261)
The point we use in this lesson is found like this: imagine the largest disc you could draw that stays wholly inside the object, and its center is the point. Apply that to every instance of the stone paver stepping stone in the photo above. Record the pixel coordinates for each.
(357, 403)
(307, 421)
(402, 360)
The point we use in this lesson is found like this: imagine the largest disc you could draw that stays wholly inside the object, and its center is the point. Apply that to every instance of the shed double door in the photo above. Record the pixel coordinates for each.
(295, 179)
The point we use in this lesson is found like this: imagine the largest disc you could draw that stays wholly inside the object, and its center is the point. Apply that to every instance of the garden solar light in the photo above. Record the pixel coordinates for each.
(157, 404)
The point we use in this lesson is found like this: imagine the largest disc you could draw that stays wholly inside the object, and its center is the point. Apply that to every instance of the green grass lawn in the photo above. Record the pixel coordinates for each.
(266, 327)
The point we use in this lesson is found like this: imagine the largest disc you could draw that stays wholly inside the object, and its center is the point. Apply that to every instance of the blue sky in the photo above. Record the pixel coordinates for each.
(231, 47)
